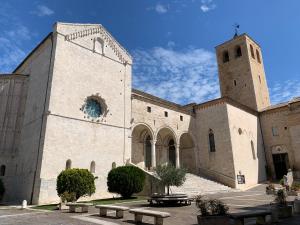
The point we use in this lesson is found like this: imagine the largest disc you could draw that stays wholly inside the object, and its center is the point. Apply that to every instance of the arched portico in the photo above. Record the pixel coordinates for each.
(167, 148)
(142, 149)
(187, 153)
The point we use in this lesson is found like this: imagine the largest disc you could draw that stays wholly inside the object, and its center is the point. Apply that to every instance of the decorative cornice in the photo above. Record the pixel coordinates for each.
(119, 51)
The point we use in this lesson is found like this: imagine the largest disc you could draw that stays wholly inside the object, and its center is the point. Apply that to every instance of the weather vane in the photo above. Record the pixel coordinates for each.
(236, 29)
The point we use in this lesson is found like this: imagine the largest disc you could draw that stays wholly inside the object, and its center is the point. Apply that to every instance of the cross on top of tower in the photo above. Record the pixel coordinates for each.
(236, 29)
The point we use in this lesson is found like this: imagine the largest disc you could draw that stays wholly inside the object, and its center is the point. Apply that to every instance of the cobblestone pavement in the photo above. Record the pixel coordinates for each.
(247, 200)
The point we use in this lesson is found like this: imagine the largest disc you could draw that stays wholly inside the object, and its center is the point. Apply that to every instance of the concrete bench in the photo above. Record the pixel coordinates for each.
(84, 206)
(260, 216)
(119, 210)
(158, 216)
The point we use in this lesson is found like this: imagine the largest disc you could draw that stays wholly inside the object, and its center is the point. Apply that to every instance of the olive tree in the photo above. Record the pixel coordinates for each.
(170, 175)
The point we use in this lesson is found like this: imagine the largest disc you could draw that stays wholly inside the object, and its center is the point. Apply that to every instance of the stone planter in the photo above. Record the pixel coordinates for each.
(297, 206)
(281, 212)
(292, 193)
(215, 220)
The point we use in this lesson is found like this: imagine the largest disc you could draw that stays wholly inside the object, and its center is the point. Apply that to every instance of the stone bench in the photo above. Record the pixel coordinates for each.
(158, 216)
(84, 206)
(260, 216)
(119, 210)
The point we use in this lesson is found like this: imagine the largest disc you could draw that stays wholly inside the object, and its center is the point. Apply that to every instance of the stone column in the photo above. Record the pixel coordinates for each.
(177, 156)
(153, 153)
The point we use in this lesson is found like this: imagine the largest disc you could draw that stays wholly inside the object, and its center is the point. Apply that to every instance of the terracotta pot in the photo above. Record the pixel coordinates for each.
(216, 220)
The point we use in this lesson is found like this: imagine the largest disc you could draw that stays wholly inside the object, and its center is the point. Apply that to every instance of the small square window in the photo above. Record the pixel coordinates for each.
(148, 109)
(166, 114)
(181, 118)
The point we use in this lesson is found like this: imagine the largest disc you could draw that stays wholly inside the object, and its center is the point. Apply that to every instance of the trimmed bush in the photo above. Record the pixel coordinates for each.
(78, 182)
(2, 189)
(125, 180)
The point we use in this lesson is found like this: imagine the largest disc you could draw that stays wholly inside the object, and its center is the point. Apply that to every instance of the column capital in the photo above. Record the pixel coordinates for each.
(153, 141)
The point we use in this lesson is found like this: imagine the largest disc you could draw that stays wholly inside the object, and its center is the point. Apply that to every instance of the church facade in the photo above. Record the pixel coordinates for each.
(70, 104)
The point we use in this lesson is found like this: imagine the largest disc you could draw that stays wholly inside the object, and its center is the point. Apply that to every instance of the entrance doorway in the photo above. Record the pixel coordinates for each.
(281, 162)
(172, 152)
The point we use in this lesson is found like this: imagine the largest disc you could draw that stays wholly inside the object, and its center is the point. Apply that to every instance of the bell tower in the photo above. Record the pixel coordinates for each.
(241, 72)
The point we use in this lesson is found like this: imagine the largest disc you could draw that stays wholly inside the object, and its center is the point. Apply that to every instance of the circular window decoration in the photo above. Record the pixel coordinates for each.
(94, 108)
(240, 131)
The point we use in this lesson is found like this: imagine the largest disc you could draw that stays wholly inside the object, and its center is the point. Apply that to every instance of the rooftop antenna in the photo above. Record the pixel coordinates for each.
(236, 29)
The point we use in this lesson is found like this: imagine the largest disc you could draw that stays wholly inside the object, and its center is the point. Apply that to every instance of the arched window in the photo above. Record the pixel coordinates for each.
(99, 45)
(68, 164)
(172, 152)
(234, 82)
(113, 165)
(2, 170)
(225, 56)
(252, 51)
(93, 167)
(211, 137)
(253, 150)
(258, 56)
(238, 51)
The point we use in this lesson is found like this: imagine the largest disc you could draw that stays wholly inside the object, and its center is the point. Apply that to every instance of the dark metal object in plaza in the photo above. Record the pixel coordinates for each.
(173, 199)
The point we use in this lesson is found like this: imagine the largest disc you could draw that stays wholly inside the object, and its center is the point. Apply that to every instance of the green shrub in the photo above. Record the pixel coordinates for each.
(281, 182)
(80, 182)
(296, 186)
(125, 180)
(2, 189)
(170, 175)
(213, 207)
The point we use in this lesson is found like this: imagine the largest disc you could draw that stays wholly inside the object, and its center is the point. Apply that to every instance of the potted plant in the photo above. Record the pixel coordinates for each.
(270, 189)
(212, 211)
(281, 209)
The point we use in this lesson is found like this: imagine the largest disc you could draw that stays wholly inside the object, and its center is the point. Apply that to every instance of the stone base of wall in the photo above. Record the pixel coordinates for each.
(218, 177)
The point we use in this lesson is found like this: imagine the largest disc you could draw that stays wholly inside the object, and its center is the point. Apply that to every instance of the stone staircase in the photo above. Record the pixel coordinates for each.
(196, 185)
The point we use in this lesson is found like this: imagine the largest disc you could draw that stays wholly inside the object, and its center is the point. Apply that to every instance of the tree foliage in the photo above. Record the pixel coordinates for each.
(78, 182)
(170, 175)
(2, 189)
(126, 180)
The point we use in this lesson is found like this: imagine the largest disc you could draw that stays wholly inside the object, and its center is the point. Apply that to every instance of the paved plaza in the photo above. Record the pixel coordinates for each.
(247, 200)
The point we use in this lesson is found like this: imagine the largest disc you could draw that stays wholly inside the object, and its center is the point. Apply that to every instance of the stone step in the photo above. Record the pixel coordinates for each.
(195, 185)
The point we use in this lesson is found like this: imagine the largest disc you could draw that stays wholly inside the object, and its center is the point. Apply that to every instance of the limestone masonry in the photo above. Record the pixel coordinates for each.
(70, 104)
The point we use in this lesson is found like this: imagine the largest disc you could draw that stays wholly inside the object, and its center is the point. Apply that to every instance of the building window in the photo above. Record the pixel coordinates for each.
(253, 150)
(259, 78)
(148, 109)
(234, 82)
(275, 131)
(2, 170)
(68, 164)
(238, 51)
(181, 118)
(258, 56)
(240, 131)
(252, 51)
(225, 56)
(166, 114)
(93, 167)
(211, 137)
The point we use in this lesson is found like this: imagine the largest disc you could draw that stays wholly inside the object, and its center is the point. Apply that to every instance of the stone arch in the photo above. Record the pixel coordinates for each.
(166, 145)
(187, 153)
(142, 136)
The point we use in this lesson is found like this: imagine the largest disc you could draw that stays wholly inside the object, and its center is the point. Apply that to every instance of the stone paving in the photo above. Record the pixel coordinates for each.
(247, 200)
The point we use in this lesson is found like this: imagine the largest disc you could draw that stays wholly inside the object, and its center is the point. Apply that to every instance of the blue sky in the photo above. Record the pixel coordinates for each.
(172, 42)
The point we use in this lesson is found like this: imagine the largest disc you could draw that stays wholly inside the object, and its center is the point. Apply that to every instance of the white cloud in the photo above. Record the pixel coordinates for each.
(282, 92)
(183, 76)
(159, 8)
(42, 10)
(13, 39)
(207, 5)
